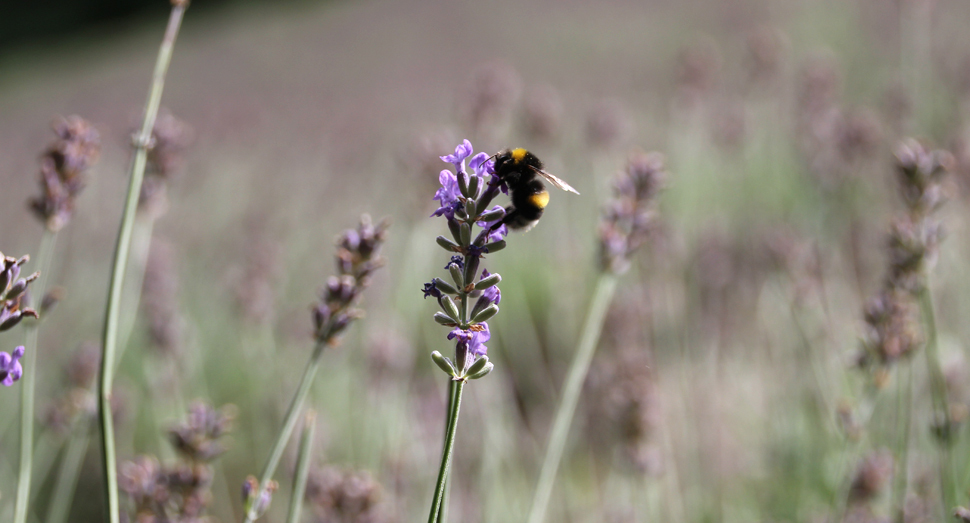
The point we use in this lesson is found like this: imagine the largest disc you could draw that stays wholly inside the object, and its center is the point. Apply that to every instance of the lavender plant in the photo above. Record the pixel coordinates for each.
(893, 328)
(63, 175)
(627, 222)
(358, 256)
(471, 297)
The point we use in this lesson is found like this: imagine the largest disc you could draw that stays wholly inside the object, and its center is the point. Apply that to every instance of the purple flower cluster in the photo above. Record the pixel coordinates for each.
(631, 215)
(357, 257)
(62, 170)
(10, 369)
(13, 289)
(469, 298)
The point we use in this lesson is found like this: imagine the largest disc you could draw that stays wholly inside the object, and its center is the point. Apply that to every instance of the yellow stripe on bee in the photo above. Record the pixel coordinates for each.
(518, 154)
(540, 199)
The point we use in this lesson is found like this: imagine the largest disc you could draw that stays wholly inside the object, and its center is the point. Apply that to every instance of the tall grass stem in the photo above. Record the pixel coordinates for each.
(941, 407)
(120, 264)
(605, 288)
(44, 256)
(302, 466)
(904, 414)
(289, 423)
(70, 471)
(439, 489)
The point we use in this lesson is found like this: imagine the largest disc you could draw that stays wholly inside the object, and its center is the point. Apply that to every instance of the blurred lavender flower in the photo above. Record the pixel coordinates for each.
(179, 493)
(170, 139)
(358, 255)
(13, 290)
(892, 321)
(10, 369)
(197, 438)
(62, 170)
(630, 217)
(338, 496)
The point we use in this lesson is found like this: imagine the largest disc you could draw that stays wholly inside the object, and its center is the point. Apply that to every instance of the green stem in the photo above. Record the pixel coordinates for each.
(70, 471)
(44, 256)
(442, 510)
(941, 407)
(904, 411)
(302, 466)
(439, 489)
(292, 415)
(120, 264)
(605, 288)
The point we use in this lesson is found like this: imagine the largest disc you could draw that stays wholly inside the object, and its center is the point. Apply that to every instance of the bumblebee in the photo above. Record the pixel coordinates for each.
(521, 170)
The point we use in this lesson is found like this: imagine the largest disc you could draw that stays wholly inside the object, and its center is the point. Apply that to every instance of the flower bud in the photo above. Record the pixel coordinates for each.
(444, 364)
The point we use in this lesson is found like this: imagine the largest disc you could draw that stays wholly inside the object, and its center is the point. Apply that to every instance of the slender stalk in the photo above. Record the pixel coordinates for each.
(941, 407)
(439, 489)
(442, 510)
(44, 256)
(302, 466)
(70, 471)
(904, 413)
(292, 415)
(605, 288)
(122, 248)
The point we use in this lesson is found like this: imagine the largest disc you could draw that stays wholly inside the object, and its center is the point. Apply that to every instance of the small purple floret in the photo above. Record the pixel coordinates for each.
(448, 195)
(10, 369)
(472, 341)
(430, 289)
(492, 294)
(458, 159)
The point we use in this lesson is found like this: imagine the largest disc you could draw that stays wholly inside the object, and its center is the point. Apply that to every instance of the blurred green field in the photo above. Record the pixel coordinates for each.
(742, 314)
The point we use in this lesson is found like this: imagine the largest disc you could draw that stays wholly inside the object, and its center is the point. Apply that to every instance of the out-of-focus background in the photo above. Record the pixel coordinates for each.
(723, 388)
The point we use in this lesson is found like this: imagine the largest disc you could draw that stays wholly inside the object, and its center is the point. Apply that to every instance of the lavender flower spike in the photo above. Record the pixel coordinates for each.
(10, 369)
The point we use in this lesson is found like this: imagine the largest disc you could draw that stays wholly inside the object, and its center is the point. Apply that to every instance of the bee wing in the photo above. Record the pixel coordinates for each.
(555, 180)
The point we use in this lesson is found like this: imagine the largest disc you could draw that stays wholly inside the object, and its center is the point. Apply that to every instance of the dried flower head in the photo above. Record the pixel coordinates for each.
(631, 215)
(62, 170)
(179, 493)
(171, 137)
(337, 495)
(198, 437)
(871, 477)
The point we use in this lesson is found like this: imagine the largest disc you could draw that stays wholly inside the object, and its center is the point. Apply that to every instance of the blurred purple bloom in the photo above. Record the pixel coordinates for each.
(472, 341)
(492, 294)
(458, 159)
(10, 369)
(447, 195)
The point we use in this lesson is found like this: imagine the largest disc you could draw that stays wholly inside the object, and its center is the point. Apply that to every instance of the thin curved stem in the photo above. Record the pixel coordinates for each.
(439, 489)
(904, 413)
(70, 471)
(292, 415)
(302, 466)
(44, 256)
(941, 407)
(605, 288)
(122, 248)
